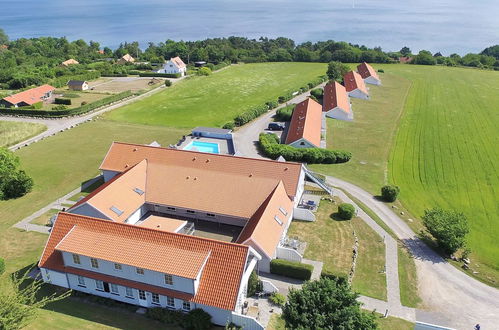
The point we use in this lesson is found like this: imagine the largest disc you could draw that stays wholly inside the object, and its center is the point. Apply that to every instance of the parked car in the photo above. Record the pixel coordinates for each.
(276, 127)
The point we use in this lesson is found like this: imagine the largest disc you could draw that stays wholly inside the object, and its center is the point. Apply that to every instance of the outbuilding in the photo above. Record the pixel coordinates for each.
(78, 85)
(355, 86)
(368, 73)
(336, 103)
(305, 126)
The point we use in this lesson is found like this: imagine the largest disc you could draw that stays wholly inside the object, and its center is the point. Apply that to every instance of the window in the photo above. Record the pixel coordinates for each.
(99, 285)
(171, 208)
(116, 210)
(186, 306)
(139, 191)
(168, 279)
(94, 262)
(76, 259)
(283, 211)
(142, 295)
(210, 215)
(81, 281)
(276, 218)
(302, 143)
(118, 267)
(129, 292)
(114, 288)
(140, 271)
(155, 298)
(190, 211)
(170, 302)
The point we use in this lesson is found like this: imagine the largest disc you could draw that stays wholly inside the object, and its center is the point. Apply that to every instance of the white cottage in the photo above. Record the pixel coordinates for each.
(174, 66)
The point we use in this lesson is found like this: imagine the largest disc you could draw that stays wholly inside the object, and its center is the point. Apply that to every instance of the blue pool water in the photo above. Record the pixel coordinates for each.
(203, 147)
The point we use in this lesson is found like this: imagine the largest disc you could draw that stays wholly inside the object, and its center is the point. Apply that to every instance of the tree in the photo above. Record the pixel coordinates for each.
(405, 51)
(489, 51)
(19, 304)
(168, 82)
(424, 57)
(13, 182)
(390, 193)
(326, 304)
(448, 227)
(346, 211)
(254, 284)
(4, 38)
(336, 70)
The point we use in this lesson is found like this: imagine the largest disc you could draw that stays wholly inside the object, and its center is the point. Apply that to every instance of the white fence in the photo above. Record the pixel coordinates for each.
(246, 322)
(288, 254)
(303, 214)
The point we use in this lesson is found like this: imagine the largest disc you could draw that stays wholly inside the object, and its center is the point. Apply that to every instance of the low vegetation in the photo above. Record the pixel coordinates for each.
(277, 299)
(291, 269)
(12, 132)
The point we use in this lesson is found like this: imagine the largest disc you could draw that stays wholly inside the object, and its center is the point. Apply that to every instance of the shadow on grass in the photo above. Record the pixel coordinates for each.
(92, 184)
(336, 217)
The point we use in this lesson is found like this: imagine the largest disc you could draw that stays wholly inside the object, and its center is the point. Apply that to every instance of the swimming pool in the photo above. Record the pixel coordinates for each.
(203, 147)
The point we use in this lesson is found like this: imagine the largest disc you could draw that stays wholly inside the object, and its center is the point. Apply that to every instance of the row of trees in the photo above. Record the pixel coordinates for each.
(487, 59)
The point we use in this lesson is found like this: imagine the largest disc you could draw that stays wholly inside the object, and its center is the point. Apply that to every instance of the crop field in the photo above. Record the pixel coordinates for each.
(12, 132)
(217, 99)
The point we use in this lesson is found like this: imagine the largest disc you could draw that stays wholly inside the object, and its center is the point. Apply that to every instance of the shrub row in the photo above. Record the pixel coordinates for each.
(269, 145)
(196, 319)
(250, 114)
(160, 75)
(114, 75)
(291, 269)
(59, 100)
(284, 114)
(67, 112)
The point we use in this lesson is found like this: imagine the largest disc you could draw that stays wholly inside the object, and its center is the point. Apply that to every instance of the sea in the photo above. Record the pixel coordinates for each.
(448, 26)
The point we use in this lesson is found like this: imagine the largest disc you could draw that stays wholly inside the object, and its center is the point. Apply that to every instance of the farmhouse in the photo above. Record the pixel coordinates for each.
(174, 66)
(126, 59)
(405, 59)
(336, 103)
(355, 86)
(305, 126)
(28, 97)
(146, 236)
(69, 62)
(78, 85)
(367, 73)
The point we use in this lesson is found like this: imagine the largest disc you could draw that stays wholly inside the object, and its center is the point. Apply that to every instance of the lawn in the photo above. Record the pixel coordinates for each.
(217, 99)
(12, 132)
(331, 241)
(43, 219)
(407, 278)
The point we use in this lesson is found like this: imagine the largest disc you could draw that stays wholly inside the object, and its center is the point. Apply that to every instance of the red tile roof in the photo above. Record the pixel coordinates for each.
(335, 95)
(405, 59)
(353, 81)
(178, 62)
(221, 276)
(30, 96)
(365, 70)
(306, 123)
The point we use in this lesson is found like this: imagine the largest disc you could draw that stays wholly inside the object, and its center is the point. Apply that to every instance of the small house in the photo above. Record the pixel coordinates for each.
(174, 66)
(355, 86)
(405, 59)
(126, 59)
(28, 97)
(368, 74)
(305, 126)
(78, 85)
(69, 62)
(336, 103)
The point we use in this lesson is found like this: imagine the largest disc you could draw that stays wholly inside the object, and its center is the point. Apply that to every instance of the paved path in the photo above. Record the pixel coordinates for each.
(246, 137)
(459, 300)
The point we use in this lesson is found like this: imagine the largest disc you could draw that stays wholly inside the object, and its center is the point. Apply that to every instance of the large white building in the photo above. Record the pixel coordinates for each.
(174, 66)
(143, 237)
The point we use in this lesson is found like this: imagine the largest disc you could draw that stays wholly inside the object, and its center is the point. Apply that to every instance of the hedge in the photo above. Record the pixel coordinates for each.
(160, 75)
(284, 114)
(196, 319)
(59, 100)
(291, 269)
(270, 147)
(69, 112)
(115, 75)
(251, 114)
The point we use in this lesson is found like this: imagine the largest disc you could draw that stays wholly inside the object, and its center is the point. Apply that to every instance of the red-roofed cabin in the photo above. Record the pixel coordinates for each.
(28, 97)
(305, 126)
(355, 86)
(368, 73)
(336, 103)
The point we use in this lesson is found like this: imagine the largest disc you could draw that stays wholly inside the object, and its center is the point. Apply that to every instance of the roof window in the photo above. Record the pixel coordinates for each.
(139, 191)
(283, 210)
(116, 210)
(276, 218)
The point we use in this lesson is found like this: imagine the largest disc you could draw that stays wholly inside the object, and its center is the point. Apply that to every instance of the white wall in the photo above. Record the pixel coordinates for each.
(303, 214)
(372, 81)
(55, 278)
(139, 213)
(338, 113)
(218, 316)
(236, 221)
(129, 272)
(301, 187)
(358, 94)
(288, 254)
(306, 144)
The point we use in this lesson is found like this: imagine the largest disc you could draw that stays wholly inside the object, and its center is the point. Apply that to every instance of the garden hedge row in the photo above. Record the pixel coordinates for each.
(269, 145)
(69, 112)
(160, 75)
(291, 269)
(59, 100)
(115, 75)
(196, 319)
(284, 114)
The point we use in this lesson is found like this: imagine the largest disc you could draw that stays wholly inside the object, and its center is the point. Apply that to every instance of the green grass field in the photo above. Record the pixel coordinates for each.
(12, 132)
(330, 240)
(217, 99)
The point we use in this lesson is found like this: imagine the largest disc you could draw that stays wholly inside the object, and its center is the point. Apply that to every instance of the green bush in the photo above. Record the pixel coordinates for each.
(115, 75)
(2, 266)
(346, 211)
(270, 147)
(317, 92)
(168, 83)
(197, 319)
(59, 107)
(390, 193)
(254, 284)
(272, 104)
(204, 71)
(448, 227)
(229, 125)
(285, 98)
(381, 70)
(232, 326)
(330, 275)
(59, 100)
(250, 114)
(167, 316)
(291, 269)
(277, 299)
(285, 114)
(134, 72)
(17, 184)
(160, 75)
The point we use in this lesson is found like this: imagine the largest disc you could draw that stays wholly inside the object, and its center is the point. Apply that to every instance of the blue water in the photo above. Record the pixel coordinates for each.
(203, 147)
(437, 25)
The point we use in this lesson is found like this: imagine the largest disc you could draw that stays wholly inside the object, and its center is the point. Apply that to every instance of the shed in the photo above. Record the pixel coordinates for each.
(78, 85)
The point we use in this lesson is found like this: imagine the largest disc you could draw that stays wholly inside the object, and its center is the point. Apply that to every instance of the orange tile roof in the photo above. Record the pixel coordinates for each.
(263, 228)
(121, 156)
(70, 62)
(306, 123)
(133, 251)
(405, 59)
(221, 276)
(162, 223)
(335, 95)
(127, 58)
(353, 81)
(30, 96)
(365, 70)
(178, 61)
